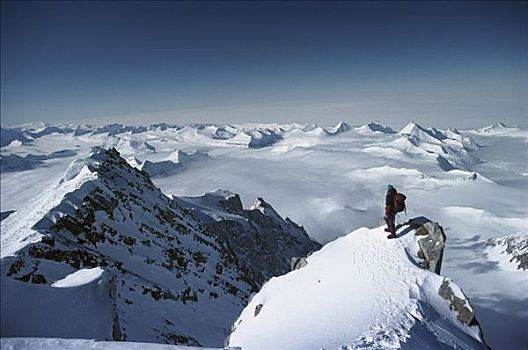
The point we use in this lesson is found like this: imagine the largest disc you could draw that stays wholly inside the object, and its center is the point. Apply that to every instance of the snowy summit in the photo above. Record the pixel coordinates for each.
(362, 291)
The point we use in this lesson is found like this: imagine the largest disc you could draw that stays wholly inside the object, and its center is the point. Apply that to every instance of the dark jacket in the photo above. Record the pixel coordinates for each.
(389, 198)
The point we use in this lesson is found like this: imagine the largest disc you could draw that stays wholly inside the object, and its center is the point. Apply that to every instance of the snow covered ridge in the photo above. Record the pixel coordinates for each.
(448, 149)
(513, 249)
(9, 135)
(363, 291)
(25, 134)
(132, 262)
(246, 135)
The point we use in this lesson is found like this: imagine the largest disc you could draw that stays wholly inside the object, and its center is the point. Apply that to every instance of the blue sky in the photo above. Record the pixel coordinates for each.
(444, 64)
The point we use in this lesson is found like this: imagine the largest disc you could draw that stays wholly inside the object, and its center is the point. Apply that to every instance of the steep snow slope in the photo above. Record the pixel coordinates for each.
(361, 291)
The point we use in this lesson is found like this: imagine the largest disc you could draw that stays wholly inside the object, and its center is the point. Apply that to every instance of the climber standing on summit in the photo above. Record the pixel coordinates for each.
(390, 213)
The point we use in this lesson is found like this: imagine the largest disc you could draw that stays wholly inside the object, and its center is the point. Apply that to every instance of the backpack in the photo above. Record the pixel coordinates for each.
(399, 202)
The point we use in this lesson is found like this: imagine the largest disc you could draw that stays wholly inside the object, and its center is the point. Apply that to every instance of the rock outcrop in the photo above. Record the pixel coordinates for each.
(431, 245)
(261, 239)
(459, 304)
(514, 247)
(298, 263)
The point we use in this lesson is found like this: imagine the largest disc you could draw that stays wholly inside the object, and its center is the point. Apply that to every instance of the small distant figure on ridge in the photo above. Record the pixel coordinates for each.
(394, 203)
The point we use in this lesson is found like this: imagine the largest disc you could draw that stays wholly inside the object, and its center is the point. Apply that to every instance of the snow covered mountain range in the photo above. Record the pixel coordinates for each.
(76, 221)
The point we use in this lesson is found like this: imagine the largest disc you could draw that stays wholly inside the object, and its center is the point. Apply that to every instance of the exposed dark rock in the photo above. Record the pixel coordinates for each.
(233, 204)
(515, 246)
(8, 135)
(461, 306)
(5, 214)
(258, 308)
(262, 240)
(432, 245)
(298, 263)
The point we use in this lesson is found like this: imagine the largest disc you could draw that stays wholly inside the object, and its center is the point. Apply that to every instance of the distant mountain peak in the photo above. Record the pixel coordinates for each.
(500, 125)
(375, 127)
(410, 128)
(340, 127)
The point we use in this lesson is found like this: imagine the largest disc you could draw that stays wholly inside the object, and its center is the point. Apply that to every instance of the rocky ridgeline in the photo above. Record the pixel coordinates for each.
(171, 274)
(515, 247)
(262, 240)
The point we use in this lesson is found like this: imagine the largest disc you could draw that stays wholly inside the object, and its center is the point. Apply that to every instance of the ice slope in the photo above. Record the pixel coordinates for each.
(360, 291)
